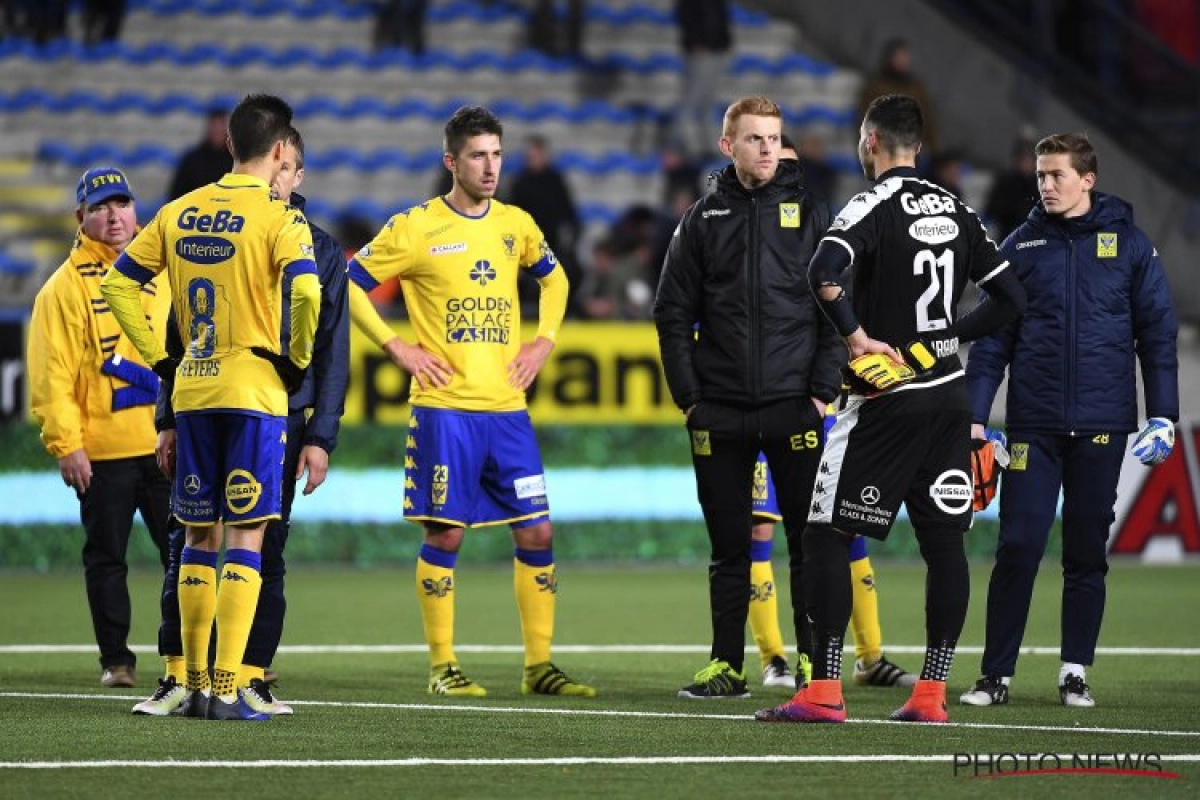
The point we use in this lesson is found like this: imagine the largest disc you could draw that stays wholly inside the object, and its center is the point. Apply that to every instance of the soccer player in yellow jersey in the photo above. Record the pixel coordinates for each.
(226, 247)
(472, 459)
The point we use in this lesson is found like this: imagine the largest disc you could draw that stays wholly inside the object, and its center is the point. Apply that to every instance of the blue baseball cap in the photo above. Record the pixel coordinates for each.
(100, 183)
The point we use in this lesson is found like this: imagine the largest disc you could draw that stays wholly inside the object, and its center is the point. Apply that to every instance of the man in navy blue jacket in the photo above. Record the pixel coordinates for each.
(310, 440)
(1097, 295)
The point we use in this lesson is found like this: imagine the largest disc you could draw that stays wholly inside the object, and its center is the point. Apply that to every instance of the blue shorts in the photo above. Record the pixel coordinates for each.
(229, 467)
(762, 493)
(465, 468)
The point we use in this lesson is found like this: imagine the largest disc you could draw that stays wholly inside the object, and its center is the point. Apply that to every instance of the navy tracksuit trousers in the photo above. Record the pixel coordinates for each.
(1087, 469)
(267, 629)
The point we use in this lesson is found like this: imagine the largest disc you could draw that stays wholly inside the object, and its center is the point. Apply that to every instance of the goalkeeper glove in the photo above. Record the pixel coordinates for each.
(291, 375)
(988, 457)
(1155, 441)
(879, 373)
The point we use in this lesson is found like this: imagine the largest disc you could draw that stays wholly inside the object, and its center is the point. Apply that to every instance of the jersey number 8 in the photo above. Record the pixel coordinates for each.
(202, 331)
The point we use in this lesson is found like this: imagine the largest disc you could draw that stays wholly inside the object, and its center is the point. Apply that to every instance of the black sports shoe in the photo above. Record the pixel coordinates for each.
(882, 673)
(1075, 692)
(195, 705)
(237, 710)
(989, 690)
(717, 681)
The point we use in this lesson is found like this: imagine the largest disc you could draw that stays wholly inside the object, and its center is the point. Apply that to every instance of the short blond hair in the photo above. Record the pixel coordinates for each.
(754, 106)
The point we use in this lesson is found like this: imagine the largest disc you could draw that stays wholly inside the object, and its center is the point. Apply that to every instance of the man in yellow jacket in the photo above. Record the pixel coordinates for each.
(94, 398)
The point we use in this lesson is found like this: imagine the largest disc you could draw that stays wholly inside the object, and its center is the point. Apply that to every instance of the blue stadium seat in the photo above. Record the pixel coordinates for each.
(372, 106)
(245, 55)
(440, 12)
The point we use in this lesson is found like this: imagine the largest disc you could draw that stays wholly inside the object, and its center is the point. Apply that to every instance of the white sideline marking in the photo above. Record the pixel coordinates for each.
(887, 758)
(600, 712)
(389, 649)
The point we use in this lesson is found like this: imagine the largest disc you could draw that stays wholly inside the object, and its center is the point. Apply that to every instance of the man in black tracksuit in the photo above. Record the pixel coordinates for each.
(750, 360)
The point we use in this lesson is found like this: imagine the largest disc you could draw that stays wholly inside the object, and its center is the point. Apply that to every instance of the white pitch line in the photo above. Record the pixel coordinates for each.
(656, 649)
(568, 761)
(600, 712)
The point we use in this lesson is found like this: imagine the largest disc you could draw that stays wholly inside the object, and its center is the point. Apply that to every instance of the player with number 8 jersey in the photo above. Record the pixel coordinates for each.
(227, 247)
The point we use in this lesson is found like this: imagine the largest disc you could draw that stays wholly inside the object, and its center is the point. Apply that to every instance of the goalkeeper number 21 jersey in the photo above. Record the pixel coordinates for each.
(913, 246)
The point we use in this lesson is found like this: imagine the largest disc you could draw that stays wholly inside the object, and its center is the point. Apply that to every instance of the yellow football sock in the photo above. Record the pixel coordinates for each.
(197, 607)
(435, 594)
(248, 673)
(176, 669)
(237, 599)
(764, 611)
(536, 588)
(864, 620)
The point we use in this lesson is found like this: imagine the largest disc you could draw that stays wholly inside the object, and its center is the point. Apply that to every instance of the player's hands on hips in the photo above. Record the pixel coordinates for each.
(315, 460)
(525, 367)
(76, 470)
(164, 452)
(429, 371)
(1154, 442)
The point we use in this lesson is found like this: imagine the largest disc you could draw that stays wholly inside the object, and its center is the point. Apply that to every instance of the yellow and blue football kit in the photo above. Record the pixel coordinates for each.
(226, 247)
(471, 456)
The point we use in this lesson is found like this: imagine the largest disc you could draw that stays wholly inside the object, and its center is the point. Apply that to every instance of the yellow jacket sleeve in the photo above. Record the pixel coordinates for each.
(552, 303)
(124, 297)
(305, 307)
(57, 332)
(366, 318)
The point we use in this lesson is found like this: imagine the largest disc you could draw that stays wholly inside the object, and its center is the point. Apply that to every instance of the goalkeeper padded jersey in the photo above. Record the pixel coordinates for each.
(225, 246)
(914, 246)
(459, 277)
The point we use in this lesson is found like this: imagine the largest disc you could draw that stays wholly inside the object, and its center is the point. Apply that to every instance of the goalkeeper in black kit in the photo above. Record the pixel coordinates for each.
(902, 434)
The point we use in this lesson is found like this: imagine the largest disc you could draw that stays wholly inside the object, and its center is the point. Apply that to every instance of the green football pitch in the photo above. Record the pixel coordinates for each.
(353, 665)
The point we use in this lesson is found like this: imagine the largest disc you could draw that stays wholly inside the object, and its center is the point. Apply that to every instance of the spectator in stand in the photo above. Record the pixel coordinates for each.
(946, 171)
(45, 20)
(617, 285)
(706, 38)
(895, 76)
(541, 189)
(554, 33)
(1014, 191)
(680, 174)
(400, 23)
(208, 161)
(819, 176)
(102, 20)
